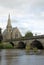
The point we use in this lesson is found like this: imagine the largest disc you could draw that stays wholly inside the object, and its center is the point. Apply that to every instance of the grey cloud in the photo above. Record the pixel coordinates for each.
(24, 6)
(37, 6)
(14, 3)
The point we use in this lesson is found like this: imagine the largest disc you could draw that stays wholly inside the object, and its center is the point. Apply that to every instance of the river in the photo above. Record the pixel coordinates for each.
(19, 57)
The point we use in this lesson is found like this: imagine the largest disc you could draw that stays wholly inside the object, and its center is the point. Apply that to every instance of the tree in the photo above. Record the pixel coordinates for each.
(1, 37)
(29, 34)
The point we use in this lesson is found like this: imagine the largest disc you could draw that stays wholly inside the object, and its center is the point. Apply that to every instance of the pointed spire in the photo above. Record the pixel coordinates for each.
(9, 16)
(9, 21)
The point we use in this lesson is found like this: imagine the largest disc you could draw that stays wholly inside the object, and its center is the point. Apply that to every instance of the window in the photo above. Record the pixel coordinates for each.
(16, 35)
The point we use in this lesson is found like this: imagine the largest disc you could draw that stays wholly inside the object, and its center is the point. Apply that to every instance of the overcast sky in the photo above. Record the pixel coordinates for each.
(27, 15)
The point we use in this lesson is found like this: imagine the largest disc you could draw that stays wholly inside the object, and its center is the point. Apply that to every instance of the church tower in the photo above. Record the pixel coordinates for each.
(11, 33)
(9, 28)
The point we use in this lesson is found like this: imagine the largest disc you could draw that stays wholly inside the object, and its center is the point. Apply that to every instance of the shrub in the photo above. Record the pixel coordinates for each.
(5, 46)
(1, 46)
(8, 46)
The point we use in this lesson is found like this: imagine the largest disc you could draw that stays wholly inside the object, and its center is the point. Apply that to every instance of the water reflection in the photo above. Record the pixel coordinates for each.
(19, 57)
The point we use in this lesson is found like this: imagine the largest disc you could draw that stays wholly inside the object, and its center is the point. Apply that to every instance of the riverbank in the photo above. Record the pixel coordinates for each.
(7, 45)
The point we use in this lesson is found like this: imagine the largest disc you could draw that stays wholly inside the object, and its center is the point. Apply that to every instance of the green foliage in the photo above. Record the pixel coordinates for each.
(29, 34)
(1, 37)
(1, 46)
(6, 46)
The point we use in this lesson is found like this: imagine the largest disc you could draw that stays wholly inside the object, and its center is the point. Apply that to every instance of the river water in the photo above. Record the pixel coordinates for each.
(19, 57)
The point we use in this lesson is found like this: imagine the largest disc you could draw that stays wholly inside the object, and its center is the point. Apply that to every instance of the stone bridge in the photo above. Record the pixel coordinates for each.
(28, 41)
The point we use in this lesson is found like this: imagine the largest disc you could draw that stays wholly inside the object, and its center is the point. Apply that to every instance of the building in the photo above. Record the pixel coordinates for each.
(11, 33)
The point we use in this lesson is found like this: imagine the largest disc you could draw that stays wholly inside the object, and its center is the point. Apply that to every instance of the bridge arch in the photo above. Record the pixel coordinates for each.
(37, 44)
(21, 45)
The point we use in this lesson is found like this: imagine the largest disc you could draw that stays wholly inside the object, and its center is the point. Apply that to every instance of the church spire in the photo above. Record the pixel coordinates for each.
(9, 16)
(9, 22)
